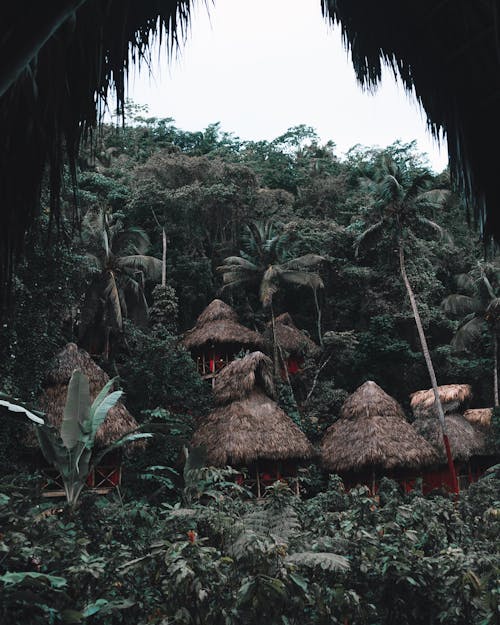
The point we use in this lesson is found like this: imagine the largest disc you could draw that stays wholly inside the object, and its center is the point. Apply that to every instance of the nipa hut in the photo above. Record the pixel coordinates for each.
(248, 428)
(468, 443)
(218, 337)
(118, 421)
(479, 416)
(293, 345)
(372, 438)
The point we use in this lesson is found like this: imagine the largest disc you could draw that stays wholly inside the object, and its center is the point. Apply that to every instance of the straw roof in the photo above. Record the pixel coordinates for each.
(372, 432)
(118, 422)
(56, 57)
(451, 59)
(290, 338)
(479, 416)
(452, 396)
(242, 376)
(248, 425)
(218, 325)
(465, 439)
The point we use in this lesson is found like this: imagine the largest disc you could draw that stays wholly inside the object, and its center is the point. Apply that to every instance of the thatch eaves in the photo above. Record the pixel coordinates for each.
(218, 325)
(449, 55)
(118, 422)
(479, 416)
(244, 376)
(289, 338)
(465, 439)
(251, 429)
(452, 397)
(372, 433)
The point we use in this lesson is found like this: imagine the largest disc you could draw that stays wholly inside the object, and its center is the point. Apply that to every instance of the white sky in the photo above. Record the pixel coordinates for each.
(263, 66)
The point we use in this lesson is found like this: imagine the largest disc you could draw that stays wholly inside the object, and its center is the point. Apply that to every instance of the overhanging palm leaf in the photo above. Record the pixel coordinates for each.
(468, 334)
(458, 306)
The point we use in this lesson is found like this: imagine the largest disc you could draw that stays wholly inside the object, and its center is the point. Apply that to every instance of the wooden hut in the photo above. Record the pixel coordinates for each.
(372, 438)
(218, 337)
(468, 441)
(248, 428)
(293, 345)
(118, 422)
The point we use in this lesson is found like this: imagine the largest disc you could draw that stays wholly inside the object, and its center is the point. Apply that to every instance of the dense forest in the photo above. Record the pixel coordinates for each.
(269, 227)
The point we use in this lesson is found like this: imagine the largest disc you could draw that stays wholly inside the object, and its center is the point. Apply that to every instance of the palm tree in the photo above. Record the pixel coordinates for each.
(477, 305)
(264, 264)
(400, 199)
(117, 290)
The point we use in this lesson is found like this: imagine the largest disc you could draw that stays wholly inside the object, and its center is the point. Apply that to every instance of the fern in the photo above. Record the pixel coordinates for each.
(326, 561)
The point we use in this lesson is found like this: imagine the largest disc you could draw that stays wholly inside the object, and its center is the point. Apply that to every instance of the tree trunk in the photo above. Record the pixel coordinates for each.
(275, 346)
(428, 362)
(164, 259)
(495, 368)
(318, 317)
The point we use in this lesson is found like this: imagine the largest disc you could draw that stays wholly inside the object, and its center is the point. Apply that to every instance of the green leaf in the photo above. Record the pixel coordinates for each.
(300, 581)
(76, 410)
(102, 410)
(12, 579)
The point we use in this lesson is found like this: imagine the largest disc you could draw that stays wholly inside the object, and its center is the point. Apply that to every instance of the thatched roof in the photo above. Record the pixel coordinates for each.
(479, 416)
(372, 433)
(243, 376)
(449, 53)
(248, 425)
(57, 60)
(118, 422)
(249, 429)
(370, 400)
(291, 340)
(465, 439)
(218, 325)
(452, 397)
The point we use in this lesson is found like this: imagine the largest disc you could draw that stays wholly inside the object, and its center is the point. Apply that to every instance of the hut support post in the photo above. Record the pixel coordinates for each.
(373, 483)
(495, 368)
(258, 480)
(428, 362)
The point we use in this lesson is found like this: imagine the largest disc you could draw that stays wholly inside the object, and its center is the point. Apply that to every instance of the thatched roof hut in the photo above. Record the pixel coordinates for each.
(289, 338)
(479, 416)
(248, 425)
(218, 325)
(372, 433)
(452, 396)
(118, 422)
(465, 439)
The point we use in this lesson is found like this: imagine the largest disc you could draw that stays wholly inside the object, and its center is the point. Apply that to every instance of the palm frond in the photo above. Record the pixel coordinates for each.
(302, 278)
(304, 262)
(465, 283)
(368, 235)
(149, 266)
(434, 227)
(269, 285)
(468, 334)
(112, 295)
(457, 306)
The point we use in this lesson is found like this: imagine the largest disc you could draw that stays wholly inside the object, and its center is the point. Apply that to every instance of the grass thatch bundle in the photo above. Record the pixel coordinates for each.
(248, 425)
(242, 376)
(448, 53)
(465, 439)
(289, 338)
(452, 397)
(118, 422)
(370, 400)
(372, 433)
(218, 325)
(479, 416)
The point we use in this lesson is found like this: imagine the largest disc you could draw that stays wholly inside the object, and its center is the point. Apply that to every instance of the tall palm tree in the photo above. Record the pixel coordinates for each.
(477, 305)
(264, 264)
(121, 270)
(401, 198)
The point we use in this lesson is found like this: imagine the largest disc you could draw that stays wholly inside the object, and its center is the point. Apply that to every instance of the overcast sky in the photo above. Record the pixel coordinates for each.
(263, 66)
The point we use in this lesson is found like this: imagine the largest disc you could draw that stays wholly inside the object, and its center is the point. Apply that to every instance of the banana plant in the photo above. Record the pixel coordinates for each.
(70, 449)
